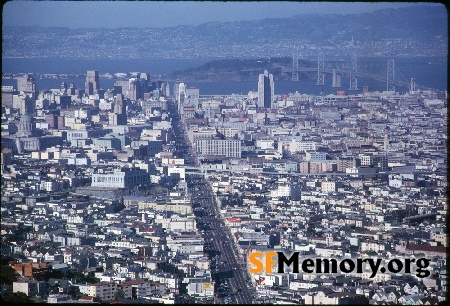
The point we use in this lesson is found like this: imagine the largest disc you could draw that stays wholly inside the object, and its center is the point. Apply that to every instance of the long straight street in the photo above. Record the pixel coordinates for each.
(230, 276)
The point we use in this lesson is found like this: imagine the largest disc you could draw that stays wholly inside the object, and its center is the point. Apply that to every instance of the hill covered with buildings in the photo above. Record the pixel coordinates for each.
(411, 31)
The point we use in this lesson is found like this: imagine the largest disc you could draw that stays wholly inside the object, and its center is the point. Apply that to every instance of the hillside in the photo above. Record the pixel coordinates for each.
(411, 31)
(235, 70)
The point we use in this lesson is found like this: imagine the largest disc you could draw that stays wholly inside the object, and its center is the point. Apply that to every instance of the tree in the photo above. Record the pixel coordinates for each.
(119, 294)
(74, 291)
(53, 274)
(399, 214)
(311, 228)
(16, 298)
(8, 275)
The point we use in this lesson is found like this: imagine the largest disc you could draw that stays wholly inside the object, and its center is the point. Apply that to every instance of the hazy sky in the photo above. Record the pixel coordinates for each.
(114, 14)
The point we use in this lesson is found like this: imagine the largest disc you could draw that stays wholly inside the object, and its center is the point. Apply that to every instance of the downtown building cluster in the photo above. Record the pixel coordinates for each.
(92, 183)
(94, 201)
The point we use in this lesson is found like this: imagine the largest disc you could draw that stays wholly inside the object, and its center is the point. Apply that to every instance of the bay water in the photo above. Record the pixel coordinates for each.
(428, 71)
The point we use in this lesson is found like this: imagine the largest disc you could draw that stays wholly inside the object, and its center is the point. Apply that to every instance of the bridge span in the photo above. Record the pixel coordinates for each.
(353, 73)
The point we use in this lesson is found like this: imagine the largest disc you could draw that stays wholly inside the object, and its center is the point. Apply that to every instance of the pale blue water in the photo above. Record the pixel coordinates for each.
(75, 66)
(429, 72)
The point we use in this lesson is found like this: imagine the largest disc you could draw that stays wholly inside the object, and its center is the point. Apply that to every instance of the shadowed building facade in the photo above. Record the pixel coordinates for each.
(265, 90)
(92, 83)
(119, 117)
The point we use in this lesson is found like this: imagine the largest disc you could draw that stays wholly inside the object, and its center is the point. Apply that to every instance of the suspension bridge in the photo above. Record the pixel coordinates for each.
(351, 72)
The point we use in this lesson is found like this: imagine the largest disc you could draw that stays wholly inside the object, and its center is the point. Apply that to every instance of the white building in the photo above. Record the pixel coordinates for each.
(316, 156)
(192, 97)
(217, 146)
(30, 288)
(58, 298)
(265, 144)
(105, 291)
(177, 171)
(195, 133)
(51, 186)
(178, 224)
(328, 186)
(335, 298)
(372, 246)
(395, 181)
(292, 191)
(121, 178)
(301, 146)
(200, 287)
(380, 161)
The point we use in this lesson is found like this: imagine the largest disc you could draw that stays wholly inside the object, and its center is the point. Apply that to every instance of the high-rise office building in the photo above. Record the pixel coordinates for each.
(175, 91)
(26, 84)
(92, 83)
(187, 99)
(7, 96)
(6, 158)
(180, 96)
(120, 107)
(192, 97)
(166, 92)
(26, 100)
(119, 117)
(135, 88)
(265, 90)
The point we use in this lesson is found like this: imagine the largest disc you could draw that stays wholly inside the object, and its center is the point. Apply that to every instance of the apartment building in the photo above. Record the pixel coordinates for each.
(218, 147)
(105, 291)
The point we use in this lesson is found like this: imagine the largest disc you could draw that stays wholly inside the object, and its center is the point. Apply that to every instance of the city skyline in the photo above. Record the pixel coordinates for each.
(159, 14)
(129, 176)
(181, 183)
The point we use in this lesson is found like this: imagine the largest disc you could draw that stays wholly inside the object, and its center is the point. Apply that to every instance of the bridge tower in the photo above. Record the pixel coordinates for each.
(353, 78)
(390, 76)
(294, 67)
(320, 67)
(336, 79)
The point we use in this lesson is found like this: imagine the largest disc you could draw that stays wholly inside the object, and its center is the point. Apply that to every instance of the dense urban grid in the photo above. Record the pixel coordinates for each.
(146, 193)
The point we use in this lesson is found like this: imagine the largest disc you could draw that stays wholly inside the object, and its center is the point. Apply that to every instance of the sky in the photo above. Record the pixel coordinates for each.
(157, 14)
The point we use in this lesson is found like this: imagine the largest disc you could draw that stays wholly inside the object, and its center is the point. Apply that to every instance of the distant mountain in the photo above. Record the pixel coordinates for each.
(418, 22)
(415, 30)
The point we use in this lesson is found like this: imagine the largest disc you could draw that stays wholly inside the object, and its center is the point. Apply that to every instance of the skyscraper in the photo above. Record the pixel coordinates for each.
(92, 83)
(119, 117)
(265, 90)
(26, 84)
(133, 88)
(120, 107)
(180, 96)
(192, 97)
(26, 100)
